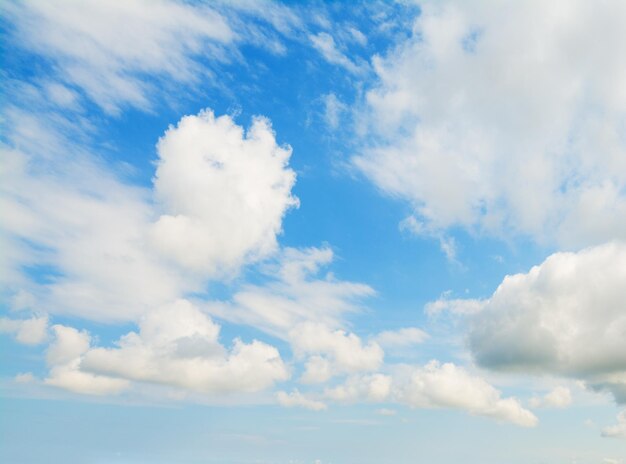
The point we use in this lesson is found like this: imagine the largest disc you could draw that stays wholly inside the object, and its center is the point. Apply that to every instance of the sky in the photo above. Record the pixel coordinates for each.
(313, 232)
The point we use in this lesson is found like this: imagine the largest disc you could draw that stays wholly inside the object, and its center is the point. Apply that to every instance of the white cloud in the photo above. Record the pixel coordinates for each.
(386, 412)
(458, 306)
(560, 397)
(618, 430)
(370, 387)
(295, 398)
(25, 377)
(325, 44)
(358, 36)
(177, 345)
(104, 241)
(64, 358)
(224, 192)
(332, 352)
(565, 316)
(438, 385)
(434, 385)
(107, 49)
(295, 295)
(333, 110)
(482, 126)
(31, 331)
(406, 336)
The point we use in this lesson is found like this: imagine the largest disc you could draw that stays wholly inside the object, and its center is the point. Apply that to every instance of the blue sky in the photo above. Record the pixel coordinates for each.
(309, 232)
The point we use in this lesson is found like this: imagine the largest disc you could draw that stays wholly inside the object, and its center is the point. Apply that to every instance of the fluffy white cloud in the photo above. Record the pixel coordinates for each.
(177, 345)
(332, 352)
(295, 398)
(438, 385)
(434, 385)
(565, 316)
(64, 358)
(31, 331)
(111, 255)
(485, 126)
(401, 338)
(618, 430)
(560, 397)
(224, 192)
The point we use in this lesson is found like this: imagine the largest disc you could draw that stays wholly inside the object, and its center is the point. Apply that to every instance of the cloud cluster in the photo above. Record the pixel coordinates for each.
(565, 316)
(110, 252)
(434, 385)
(177, 345)
(332, 352)
(224, 192)
(482, 124)
(65, 355)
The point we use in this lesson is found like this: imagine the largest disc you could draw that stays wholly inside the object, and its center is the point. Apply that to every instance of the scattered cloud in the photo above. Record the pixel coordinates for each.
(108, 50)
(64, 358)
(560, 397)
(476, 125)
(33, 331)
(332, 352)
(296, 294)
(333, 110)
(324, 43)
(404, 337)
(618, 430)
(297, 399)
(111, 252)
(433, 385)
(176, 346)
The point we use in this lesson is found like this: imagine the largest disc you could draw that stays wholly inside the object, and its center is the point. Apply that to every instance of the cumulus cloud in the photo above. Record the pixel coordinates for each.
(560, 397)
(113, 253)
(481, 125)
(618, 430)
(438, 385)
(332, 352)
(565, 316)
(64, 357)
(31, 331)
(177, 345)
(433, 385)
(297, 399)
(225, 192)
